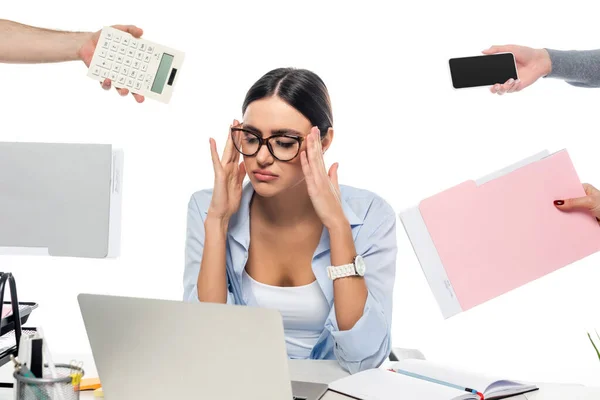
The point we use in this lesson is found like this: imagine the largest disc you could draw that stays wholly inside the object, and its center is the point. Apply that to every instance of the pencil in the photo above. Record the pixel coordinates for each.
(426, 378)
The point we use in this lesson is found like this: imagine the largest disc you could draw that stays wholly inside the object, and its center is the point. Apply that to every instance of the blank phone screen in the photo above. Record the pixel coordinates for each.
(482, 70)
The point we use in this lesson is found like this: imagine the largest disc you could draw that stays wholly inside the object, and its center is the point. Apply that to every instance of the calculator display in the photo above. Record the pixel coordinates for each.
(162, 73)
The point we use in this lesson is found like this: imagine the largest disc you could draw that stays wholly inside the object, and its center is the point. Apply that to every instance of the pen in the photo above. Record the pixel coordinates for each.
(426, 378)
(39, 393)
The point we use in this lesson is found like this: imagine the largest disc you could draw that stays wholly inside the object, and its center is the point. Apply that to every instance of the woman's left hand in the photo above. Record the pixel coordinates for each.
(323, 187)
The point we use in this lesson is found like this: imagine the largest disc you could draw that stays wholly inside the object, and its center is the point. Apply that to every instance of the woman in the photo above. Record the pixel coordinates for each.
(274, 242)
(577, 67)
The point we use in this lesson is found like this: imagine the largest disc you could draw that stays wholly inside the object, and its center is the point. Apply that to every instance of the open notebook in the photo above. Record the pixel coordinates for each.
(425, 380)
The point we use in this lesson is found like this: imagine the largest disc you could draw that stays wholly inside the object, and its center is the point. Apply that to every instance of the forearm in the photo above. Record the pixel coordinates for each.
(212, 279)
(349, 293)
(26, 44)
(578, 68)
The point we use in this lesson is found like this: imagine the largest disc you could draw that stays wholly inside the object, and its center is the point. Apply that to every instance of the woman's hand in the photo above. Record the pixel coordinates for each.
(590, 202)
(532, 64)
(229, 176)
(323, 187)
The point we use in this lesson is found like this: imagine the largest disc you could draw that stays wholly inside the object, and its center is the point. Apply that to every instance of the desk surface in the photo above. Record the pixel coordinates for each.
(328, 371)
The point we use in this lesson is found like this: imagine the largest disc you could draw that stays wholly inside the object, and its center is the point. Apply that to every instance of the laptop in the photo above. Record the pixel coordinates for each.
(158, 349)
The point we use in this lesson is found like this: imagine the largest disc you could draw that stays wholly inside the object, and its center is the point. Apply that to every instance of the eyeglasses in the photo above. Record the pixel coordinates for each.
(282, 147)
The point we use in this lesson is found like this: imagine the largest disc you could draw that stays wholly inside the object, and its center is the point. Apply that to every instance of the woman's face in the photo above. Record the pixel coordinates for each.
(268, 117)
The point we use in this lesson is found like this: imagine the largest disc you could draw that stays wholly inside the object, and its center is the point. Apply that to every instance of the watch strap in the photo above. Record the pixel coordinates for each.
(341, 271)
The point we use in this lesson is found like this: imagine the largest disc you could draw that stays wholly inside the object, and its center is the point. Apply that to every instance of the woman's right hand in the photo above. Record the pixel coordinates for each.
(532, 64)
(229, 176)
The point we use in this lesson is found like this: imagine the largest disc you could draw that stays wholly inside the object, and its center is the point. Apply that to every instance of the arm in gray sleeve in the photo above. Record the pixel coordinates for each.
(577, 67)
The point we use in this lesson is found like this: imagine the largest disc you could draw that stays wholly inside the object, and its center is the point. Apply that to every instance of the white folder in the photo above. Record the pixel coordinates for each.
(60, 199)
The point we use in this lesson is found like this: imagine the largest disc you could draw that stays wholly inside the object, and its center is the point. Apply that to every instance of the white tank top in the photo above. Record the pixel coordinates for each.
(304, 310)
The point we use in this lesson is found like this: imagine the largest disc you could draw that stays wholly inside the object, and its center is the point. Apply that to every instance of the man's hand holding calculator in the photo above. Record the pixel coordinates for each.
(115, 55)
(120, 55)
(86, 53)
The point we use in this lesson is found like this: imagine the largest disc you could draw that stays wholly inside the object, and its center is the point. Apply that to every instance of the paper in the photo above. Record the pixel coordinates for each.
(7, 309)
(7, 341)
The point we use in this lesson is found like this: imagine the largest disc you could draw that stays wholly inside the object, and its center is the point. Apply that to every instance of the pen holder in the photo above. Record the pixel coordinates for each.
(48, 388)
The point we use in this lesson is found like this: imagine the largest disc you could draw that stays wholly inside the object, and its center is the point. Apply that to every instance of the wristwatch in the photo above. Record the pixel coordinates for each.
(356, 268)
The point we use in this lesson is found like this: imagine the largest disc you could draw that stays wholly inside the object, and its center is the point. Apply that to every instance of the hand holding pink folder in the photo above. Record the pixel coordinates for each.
(589, 202)
(479, 240)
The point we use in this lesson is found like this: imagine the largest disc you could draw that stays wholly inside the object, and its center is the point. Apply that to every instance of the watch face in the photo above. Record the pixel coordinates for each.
(359, 263)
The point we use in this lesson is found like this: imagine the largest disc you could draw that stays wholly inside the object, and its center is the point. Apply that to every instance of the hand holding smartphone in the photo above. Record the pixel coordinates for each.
(486, 70)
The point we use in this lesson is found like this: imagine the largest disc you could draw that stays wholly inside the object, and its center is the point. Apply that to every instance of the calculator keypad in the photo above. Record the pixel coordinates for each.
(125, 61)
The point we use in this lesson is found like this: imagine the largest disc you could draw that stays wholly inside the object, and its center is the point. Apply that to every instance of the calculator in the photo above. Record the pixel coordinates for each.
(143, 67)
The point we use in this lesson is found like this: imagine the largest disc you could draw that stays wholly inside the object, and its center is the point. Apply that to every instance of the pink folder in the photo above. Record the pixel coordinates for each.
(481, 239)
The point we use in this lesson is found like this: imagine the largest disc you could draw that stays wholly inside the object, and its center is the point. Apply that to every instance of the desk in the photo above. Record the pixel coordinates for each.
(327, 371)
(546, 392)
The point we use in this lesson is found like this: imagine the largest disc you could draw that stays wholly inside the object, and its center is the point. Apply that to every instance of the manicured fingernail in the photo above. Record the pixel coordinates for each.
(510, 81)
(558, 202)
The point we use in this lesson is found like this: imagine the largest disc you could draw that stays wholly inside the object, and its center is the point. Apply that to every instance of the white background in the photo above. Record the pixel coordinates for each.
(401, 131)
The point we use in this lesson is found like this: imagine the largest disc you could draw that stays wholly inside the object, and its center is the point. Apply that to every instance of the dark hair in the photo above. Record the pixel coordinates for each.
(300, 88)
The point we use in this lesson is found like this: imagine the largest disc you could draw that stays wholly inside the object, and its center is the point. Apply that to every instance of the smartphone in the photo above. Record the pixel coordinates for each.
(485, 70)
